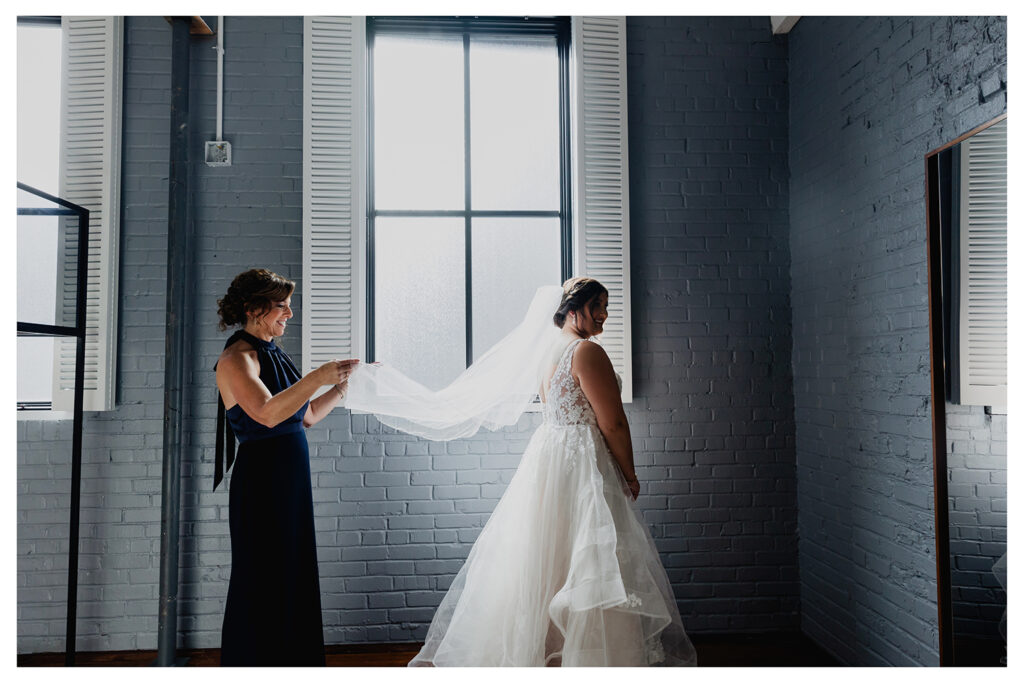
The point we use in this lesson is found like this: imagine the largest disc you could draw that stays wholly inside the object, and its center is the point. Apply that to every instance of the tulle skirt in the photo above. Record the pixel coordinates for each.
(563, 574)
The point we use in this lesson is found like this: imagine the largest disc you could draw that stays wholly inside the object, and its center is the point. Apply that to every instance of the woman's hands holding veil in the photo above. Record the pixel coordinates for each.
(336, 371)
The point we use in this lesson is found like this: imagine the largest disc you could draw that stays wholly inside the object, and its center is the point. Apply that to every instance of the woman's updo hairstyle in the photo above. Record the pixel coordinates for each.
(252, 292)
(577, 293)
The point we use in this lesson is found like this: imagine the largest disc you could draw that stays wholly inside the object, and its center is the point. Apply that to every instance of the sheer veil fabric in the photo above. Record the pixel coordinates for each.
(565, 571)
(493, 392)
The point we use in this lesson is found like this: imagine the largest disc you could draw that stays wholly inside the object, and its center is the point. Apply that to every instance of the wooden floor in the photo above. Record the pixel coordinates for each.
(774, 649)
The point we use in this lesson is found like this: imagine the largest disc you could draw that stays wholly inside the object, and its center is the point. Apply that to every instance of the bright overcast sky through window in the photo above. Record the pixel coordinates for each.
(419, 140)
(38, 148)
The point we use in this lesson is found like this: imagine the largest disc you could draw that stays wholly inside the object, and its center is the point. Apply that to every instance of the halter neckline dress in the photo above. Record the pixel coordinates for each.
(272, 616)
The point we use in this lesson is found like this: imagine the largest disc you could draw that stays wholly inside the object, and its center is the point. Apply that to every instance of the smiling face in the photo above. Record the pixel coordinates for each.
(273, 322)
(591, 318)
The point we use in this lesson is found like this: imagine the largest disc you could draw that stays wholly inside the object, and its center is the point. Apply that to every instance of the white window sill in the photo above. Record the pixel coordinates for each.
(44, 415)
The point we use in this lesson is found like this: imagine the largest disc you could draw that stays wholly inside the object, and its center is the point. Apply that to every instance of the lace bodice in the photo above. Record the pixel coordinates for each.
(566, 404)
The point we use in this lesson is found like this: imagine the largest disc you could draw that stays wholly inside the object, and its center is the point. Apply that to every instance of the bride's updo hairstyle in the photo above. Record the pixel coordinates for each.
(576, 294)
(252, 293)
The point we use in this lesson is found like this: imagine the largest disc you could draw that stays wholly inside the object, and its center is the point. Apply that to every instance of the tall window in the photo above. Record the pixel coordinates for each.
(38, 139)
(468, 195)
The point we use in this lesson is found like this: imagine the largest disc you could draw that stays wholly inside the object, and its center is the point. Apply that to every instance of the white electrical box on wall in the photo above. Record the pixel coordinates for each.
(218, 153)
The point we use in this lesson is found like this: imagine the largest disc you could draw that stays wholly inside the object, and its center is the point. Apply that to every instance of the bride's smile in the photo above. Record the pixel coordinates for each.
(589, 321)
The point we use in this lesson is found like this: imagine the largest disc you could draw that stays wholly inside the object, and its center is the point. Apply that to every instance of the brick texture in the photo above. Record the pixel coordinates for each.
(976, 463)
(869, 98)
(395, 516)
(708, 109)
(757, 374)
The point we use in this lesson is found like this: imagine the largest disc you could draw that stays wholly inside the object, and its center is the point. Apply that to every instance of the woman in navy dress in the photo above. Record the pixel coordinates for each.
(272, 616)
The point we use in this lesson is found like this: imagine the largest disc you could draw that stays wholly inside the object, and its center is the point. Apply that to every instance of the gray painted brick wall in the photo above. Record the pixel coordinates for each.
(976, 464)
(708, 109)
(869, 98)
(709, 188)
(395, 516)
(255, 203)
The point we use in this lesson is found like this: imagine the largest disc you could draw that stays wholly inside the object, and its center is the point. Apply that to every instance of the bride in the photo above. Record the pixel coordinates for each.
(564, 573)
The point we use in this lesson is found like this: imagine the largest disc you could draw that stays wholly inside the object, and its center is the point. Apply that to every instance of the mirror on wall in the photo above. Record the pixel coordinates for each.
(967, 284)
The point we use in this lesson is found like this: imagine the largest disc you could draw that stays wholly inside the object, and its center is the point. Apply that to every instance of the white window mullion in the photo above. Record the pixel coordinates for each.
(90, 176)
(601, 177)
(333, 201)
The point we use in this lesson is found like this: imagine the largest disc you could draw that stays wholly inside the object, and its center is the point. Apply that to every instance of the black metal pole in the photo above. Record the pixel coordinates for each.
(177, 242)
(81, 287)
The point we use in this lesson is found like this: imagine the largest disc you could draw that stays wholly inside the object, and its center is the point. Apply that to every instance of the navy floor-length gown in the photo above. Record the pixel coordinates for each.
(272, 616)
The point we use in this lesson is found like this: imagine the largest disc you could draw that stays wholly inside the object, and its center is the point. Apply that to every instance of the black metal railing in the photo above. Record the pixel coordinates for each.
(65, 208)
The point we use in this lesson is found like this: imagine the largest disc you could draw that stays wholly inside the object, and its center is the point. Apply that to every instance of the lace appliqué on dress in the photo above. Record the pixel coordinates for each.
(574, 446)
(654, 650)
(566, 403)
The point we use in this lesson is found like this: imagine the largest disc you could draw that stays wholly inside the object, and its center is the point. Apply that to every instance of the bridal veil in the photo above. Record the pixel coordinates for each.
(493, 392)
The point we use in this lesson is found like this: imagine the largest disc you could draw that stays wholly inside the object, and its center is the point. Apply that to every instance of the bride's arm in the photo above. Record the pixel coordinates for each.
(593, 368)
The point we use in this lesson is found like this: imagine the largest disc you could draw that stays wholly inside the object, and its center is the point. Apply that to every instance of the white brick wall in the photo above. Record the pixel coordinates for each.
(976, 463)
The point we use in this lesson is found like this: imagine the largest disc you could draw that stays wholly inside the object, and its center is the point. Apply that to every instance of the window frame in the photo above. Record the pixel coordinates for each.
(89, 170)
(42, 409)
(561, 29)
(333, 183)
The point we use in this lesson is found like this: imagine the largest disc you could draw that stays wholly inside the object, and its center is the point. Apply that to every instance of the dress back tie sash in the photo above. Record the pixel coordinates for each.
(225, 448)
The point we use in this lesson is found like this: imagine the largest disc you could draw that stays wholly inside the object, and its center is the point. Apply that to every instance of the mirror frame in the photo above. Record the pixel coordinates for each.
(944, 588)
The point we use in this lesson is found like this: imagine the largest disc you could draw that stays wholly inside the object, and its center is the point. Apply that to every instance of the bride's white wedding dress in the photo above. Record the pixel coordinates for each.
(564, 572)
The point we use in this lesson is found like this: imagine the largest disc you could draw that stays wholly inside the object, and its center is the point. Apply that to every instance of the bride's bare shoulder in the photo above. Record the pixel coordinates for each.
(590, 356)
(588, 348)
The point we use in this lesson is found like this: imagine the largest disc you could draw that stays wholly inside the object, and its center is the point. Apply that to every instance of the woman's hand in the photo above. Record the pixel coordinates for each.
(634, 487)
(336, 371)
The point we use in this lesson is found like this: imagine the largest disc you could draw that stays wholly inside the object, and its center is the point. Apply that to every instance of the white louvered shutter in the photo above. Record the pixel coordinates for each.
(983, 258)
(601, 177)
(332, 189)
(90, 175)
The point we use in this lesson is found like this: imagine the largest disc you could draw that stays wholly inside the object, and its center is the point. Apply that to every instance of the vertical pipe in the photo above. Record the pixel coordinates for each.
(76, 436)
(220, 78)
(177, 236)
